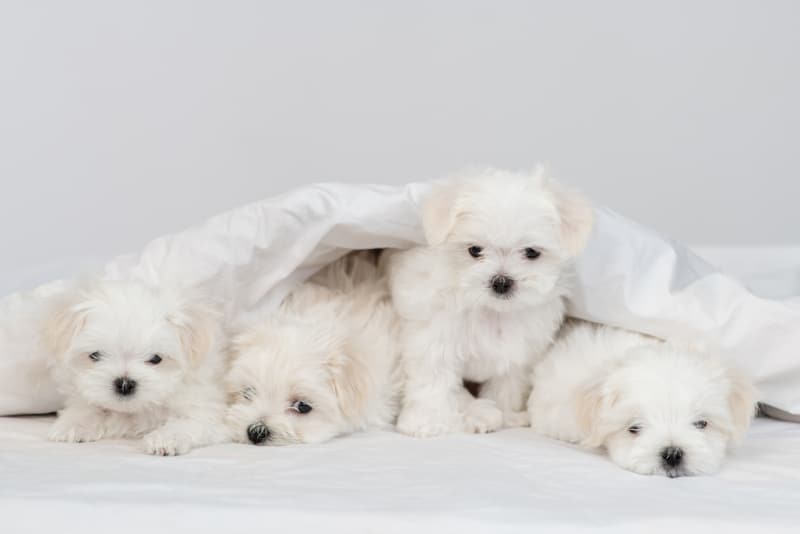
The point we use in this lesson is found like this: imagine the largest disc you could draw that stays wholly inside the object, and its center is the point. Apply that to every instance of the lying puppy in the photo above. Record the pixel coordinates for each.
(656, 408)
(324, 365)
(134, 361)
(483, 300)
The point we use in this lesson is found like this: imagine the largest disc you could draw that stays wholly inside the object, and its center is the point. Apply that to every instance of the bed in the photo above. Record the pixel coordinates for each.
(510, 481)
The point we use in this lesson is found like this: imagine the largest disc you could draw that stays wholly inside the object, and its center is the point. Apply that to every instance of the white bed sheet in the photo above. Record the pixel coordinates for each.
(511, 481)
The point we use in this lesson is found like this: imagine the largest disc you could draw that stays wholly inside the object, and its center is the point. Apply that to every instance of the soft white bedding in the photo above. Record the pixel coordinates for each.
(511, 481)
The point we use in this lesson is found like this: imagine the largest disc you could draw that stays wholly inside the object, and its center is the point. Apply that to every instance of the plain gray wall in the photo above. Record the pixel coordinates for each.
(120, 121)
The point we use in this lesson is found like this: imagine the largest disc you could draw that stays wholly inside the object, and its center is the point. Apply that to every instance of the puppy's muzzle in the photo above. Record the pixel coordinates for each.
(502, 284)
(257, 433)
(125, 386)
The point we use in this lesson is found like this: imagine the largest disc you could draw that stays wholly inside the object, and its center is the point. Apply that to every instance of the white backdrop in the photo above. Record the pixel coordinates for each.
(120, 121)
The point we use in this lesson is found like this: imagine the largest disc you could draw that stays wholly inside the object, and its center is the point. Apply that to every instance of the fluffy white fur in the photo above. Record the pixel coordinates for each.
(656, 407)
(109, 331)
(331, 346)
(456, 328)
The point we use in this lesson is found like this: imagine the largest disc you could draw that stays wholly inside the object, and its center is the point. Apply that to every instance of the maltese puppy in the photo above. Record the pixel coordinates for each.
(483, 300)
(324, 365)
(133, 361)
(656, 407)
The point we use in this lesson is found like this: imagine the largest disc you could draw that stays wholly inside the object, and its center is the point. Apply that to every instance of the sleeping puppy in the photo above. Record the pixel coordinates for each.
(137, 362)
(324, 365)
(656, 407)
(482, 301)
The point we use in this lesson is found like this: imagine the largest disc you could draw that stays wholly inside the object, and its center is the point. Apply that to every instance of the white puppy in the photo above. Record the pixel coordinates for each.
(656, 407)
(484, 299)
(133, 361)
(324, 365)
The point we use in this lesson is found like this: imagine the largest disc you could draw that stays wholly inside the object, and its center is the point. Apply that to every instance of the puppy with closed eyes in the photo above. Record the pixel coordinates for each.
(324, 365)
(655, 407)
(134, 361)
(482, 301)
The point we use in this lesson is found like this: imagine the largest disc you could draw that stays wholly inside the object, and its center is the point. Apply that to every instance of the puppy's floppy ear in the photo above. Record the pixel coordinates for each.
(439, 212)
(197, 324)
(65, 318)
(577, 218)
(592, 402)
(350, 381)
(742, 402)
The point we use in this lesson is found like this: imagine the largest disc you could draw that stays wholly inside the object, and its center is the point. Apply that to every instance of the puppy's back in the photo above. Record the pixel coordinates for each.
(350, 271)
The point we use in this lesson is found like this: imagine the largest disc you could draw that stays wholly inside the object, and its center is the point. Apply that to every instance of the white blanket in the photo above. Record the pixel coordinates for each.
(251, 256)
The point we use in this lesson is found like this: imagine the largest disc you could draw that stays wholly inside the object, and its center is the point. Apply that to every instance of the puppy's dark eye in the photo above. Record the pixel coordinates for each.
(475, 251)
(634, 429)
(155, 359)
(95, 356)
(532, 253)
(248, 393)
(301, 407)
(701, 424)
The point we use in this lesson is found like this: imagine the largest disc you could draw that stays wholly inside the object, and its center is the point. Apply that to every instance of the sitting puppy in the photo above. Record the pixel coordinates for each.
(657, 408)
(324, 365)
(133, 361)
(482, 301)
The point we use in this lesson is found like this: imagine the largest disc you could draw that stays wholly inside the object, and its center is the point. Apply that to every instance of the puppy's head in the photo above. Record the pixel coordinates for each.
(124, 346)
(667, 411)
(507, 237)
(292, 381)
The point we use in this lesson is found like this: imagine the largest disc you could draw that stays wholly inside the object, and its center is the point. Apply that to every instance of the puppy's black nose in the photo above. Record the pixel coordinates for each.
(124, 385)
(257, 433)
(672, 456)
(502, 284)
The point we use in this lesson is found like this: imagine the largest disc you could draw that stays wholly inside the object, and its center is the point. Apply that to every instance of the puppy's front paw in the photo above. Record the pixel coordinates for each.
(165, 443)
(70, 432)
(427, 425)
(482, 416)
